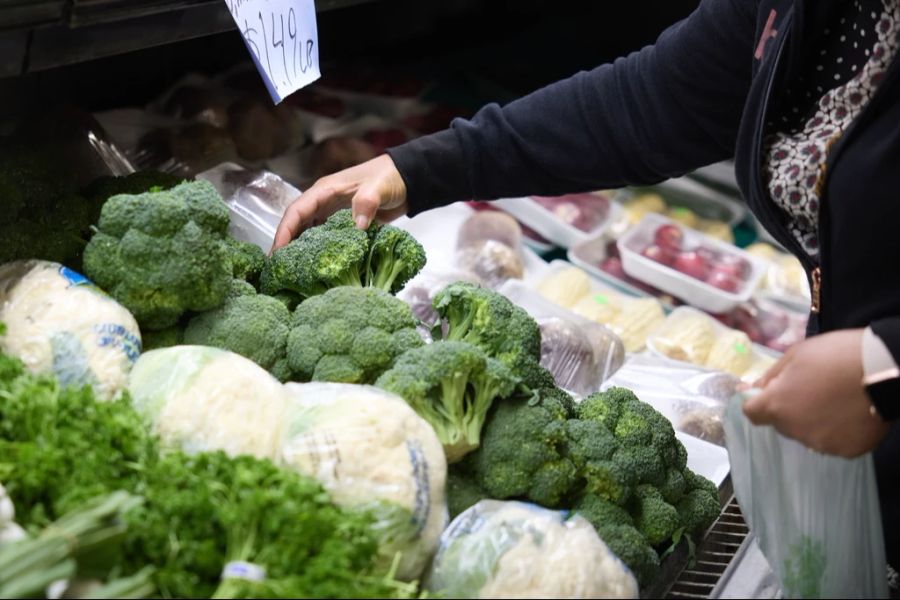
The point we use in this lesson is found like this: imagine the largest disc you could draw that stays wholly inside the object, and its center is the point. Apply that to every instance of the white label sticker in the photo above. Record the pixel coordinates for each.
(283, 40)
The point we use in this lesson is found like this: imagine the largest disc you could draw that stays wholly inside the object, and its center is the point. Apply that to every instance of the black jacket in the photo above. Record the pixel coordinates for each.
(698, 96)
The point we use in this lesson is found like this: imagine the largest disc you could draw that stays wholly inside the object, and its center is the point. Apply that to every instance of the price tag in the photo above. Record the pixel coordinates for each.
(283, 40)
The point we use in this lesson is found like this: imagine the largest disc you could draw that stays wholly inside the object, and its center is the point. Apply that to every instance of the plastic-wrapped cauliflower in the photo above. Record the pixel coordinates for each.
(59, 322)
(517, 550)
(200, 399)
(371, 451)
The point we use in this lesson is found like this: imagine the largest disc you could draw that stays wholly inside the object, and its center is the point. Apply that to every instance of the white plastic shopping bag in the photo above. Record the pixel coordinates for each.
(816, 517)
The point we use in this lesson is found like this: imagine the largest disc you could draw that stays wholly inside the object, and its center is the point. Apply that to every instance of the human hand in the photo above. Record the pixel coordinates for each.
(375, 185)
(815, 395)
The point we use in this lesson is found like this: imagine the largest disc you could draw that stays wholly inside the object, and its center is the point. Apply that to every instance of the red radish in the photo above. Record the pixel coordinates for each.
(659, 254)
(733, 264)
(692, 264)
(723, 280)
(669, 237)
(613, 266)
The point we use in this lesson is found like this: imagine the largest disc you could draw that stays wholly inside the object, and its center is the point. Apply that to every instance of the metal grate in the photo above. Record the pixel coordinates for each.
(714, 554)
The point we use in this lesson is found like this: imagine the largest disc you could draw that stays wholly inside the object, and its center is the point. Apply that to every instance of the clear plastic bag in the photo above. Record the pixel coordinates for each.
(59, 322)
(256, 200)
(420, 291)
(816, 517)
(487, 225)
(517, 550)
(491, 261)
(371, 451)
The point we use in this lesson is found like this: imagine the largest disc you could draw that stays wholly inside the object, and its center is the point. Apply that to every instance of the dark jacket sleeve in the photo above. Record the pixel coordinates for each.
(657, 113)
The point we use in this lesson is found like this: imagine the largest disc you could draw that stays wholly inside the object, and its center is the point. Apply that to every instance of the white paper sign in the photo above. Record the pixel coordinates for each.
(283, 40)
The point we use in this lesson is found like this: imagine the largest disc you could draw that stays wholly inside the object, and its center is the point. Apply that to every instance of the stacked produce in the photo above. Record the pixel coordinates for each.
(643, 203)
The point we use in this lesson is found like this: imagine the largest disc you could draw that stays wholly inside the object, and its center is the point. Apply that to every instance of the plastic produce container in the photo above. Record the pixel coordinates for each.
(689, 289)
(691, 337)
(685, 192)
(565, 220)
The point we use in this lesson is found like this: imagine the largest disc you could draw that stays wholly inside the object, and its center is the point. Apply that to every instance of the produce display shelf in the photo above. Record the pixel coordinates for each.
(39, 36)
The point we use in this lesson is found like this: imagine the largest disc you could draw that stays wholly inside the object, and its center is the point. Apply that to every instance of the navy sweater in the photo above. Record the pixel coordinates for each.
(701, 94)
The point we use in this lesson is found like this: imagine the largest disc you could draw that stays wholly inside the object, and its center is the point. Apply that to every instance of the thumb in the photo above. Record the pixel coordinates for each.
(365, 205)
(759, 407)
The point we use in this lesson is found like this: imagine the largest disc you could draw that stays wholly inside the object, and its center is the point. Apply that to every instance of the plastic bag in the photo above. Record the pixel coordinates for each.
(580, 354)
(420, 291)
(203, 399)
(371, 451)
(256, 200)
(491, 261)
(516, 550)
(59, 322)
(816, 517)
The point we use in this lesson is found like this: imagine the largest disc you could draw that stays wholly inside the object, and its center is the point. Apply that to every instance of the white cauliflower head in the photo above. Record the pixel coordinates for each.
(204, 399)
(371, 451)
(59, 322)
(517, 550)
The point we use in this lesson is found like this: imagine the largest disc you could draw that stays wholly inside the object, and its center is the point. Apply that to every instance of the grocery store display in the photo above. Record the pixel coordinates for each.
(564, 220)
(59, 322)
(489, 245)
(785, 279)
(517, 550)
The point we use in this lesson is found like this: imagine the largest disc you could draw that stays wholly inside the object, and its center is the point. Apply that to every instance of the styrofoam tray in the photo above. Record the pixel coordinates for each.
(550, 226)
(759, 351)
(667, 279)
(688, 193)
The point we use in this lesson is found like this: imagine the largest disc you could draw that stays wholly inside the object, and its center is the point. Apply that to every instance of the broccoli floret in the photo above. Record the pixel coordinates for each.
(523, 452)
(162, 338)
(247, 260)
(698, 510)
(103, 188)
(289, 299)
(656, 519)
(629, 545)
(604, 407)
(161, 254)
(451, 385)
(338, 254)
(646, 464)
(239, 287)
(395, 257)
(490, 321)
(254, 326)
(462, 490)
(601, 513)
(349, 335)
(674, 486)
(693, 481)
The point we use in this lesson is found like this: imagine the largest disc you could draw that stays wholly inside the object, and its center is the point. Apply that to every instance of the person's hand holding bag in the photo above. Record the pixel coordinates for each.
(374, 187)
(815, 395)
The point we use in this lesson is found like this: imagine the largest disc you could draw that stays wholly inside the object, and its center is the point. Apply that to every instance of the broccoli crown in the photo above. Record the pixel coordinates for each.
(698, 510)
(336, 253)
(254, 326)
(600, 512)
(463, 491)
(674, 486)
(629, 545)
(161, 254)
(247, 260)
(522, 452)
(162, 338)
(656, 519)
(451, 385)
(489, 320)
(349, 335)
(239, 287)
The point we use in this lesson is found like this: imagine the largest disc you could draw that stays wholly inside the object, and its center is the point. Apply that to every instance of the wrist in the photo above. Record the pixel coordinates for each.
(881, 377)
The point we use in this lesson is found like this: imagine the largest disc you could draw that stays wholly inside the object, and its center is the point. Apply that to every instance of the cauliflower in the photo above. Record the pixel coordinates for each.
(203, 399)
(59, 322)
(518, 550)
(371, 451)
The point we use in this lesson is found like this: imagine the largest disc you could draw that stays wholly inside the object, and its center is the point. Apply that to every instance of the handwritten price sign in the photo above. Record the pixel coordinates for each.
(283, 40)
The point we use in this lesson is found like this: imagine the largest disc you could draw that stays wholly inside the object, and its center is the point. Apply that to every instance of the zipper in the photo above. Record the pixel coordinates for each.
(816, 290)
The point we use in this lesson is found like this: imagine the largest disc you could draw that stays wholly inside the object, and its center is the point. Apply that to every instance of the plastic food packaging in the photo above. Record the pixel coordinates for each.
(580, 354)
(785, 280)
(565, 286)
(371, 451)
(256, 200)
(486, 225)
(691, 272)
(517, 550)
(59, 322)
(683, 200)
(637, 319)
(687, 339)
(769, 322)
(419, 292)
(816, 517)
(491, 261)
(564, 220)
(692, 398)
(202, 399)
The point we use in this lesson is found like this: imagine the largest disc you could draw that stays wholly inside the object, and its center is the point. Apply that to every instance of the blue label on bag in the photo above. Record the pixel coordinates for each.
(113, 335)
(74, 278)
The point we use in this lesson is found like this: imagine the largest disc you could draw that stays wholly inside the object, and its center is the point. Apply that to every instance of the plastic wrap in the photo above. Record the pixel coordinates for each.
(419, 292)
(491, 261)
(564, 220)
(59, 322)
(579, 353)
(785, 279)
(693, 399)
(517, 550)
(371, 451)
(565, 286)
(487, 225)
(203, 399)
(256, 200)
(816, 517)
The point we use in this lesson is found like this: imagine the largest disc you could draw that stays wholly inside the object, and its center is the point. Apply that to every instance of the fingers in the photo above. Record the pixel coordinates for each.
(302, 213)
(365, 205)
(772, 373)
(760, 408)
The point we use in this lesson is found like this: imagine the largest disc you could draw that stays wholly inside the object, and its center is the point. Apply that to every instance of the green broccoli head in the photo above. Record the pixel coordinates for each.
(523, 452)
(337, 253)
(248, 260)
(600, 512)
(451, 385)
(254, 326)
(395, 257)
(627, 543)
(161, 254)
(656, 519)
(489, 320)
(674, 486)
(463, 491)
(162, 338)
(349, 335)
(698, 510)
